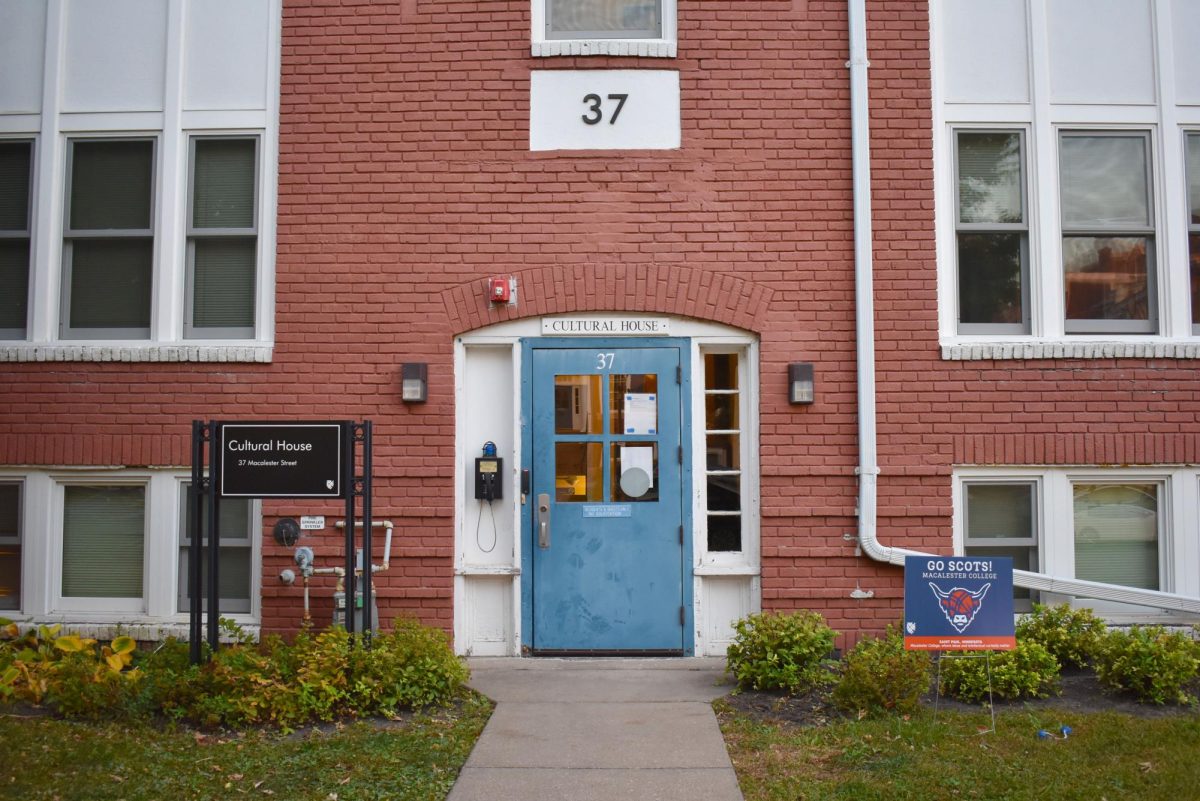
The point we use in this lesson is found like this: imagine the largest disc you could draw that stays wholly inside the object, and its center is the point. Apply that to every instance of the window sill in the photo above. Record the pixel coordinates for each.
(140, 352)
(650, 48)
(1072, 349)
(140, 628)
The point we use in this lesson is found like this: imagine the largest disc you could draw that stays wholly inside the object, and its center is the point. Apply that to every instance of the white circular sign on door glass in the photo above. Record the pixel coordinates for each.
(634, 482)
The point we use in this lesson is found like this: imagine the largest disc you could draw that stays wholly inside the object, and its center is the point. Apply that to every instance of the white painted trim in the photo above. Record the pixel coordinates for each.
(964, 349)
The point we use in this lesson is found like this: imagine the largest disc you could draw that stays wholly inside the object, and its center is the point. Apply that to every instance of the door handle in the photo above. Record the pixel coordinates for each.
(543, 514)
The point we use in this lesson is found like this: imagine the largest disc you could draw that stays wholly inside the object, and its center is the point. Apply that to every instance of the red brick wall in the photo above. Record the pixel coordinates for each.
(406, 179)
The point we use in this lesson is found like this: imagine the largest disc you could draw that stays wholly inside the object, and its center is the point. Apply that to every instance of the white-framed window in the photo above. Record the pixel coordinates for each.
(1000, 517)
(16, 200)
(10, 545)
(101, 564)
(604, 27)
(108, 239)
(992, 231)
(222, 231)
(1104, 109)
(238, 520)
(724, 476)
(1130, 527)
(1106, 198)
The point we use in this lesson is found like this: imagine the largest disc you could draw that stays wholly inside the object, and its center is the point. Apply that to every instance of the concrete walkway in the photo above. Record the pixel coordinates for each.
(604, 729)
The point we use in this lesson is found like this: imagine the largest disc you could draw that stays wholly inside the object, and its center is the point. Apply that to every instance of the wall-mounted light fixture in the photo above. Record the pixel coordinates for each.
(414, 382)
(800, 383)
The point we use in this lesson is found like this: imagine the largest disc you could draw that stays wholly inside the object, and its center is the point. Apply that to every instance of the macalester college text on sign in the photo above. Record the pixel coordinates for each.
(958, 603)
(281, 460)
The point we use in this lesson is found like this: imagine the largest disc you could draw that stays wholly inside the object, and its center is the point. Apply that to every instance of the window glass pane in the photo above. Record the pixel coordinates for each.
(111, 185)
(721, 412)
(1193, 171)
(1116, 534)
(14, 185)
(633, 404)
(723, 452)
(14, 282)
(103, 541)
(1023, 559)
(1104, 181)
(10, 546)
(224, 184)
(1194, 244)
(110, 283)
(234, 580)
(720, 371)
(724, 533)
(725, 493)
(634, 471)
(1000, 511)
(223, 283)
(577, 407)
(989, 178)
(634, 18)
(1107, 278)
(578, 471)
(989, 278)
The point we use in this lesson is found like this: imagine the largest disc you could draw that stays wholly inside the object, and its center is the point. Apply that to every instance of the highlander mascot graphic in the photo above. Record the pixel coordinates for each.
(960, 606)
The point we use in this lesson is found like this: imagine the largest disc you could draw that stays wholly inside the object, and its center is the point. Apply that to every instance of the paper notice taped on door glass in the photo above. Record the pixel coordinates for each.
(641, 413)
(640, 457)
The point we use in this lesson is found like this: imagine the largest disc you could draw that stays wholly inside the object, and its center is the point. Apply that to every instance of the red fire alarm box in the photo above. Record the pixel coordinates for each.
(500, 289)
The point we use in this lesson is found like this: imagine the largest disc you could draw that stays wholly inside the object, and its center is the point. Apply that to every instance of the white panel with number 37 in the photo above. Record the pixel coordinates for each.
(604, 110)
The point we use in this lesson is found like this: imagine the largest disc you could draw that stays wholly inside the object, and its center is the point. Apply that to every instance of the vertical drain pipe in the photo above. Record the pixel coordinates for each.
(864, 302)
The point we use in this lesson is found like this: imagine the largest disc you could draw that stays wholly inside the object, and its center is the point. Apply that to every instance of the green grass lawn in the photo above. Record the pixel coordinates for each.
(41, 758)
(1107, 756)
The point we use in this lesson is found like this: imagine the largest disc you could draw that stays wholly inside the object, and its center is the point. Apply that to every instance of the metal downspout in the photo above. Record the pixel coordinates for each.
(864, 312)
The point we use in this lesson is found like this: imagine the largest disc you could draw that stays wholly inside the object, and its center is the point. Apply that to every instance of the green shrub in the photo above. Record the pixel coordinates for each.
(1028, 671)
(1154, 664)
(1072, 636)
(878, 675)
(780, 651)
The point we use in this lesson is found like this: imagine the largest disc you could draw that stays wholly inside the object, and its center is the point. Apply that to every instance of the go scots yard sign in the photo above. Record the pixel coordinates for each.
(958, 603)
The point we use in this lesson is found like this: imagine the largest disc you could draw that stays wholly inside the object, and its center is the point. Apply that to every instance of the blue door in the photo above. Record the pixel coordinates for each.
(606, 510)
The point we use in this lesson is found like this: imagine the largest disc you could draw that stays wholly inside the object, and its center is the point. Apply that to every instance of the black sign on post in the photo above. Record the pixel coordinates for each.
(281, 460)
(273, 460)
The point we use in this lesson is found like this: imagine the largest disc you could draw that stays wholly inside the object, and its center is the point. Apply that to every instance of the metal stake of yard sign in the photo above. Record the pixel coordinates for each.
(206, 492)
(937, 693)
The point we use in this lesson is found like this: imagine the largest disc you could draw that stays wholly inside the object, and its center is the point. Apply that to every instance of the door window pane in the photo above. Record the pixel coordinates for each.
(1116, 534)
(721, 412)
(723, 453)
(720, 371)
(633, 404)
(577, 407)
(10, 546)
(617, 19)
(634, 470)
(103, 541)
(578, 472)
(724, 533)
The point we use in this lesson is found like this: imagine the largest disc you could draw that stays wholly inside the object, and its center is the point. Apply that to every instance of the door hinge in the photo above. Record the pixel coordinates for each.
(681, 619)
(681, 534)
(680, 452)
(679, 374)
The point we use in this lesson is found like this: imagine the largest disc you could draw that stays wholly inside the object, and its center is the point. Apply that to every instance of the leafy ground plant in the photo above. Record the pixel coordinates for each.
(1106, 755)
(1072, 636)
(1151, 662)
(417, 758)
(780, 651)
(879, 676)
(1028, 671)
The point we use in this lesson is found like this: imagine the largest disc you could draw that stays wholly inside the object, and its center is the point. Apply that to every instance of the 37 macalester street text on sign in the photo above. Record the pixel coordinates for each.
(281, 460)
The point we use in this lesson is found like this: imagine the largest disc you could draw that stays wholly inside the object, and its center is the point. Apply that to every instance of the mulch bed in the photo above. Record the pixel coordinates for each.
(1080, 692)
